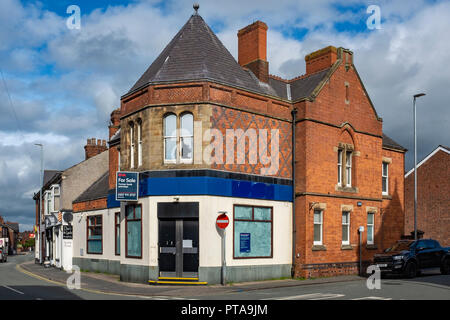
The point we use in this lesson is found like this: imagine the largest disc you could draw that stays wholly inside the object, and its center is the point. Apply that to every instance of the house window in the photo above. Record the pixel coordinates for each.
(345, 227)
(170, 138)
(133, 231)
(131, 145)
(187, 137)
(340, 167)
(385, 178)
(318, 227)
(370, 228)
(139, 141)
(348, 168)
(94, 234)
(117, 233)
(252, 232)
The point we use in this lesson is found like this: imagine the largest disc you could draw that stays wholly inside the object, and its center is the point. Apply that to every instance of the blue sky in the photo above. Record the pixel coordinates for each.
(64, 83)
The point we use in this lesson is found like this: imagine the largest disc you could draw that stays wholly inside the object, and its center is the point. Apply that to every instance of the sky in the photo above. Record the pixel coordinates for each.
(59, 85)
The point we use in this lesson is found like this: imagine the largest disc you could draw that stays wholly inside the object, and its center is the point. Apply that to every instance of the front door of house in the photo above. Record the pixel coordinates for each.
(178, 239)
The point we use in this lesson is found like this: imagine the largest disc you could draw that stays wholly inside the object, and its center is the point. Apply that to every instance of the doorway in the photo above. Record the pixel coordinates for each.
(178, 239)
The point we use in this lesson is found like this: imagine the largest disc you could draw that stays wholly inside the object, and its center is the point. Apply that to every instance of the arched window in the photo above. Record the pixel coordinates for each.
(131, 145)
(187, 137)
(139, 141)
(170, 138)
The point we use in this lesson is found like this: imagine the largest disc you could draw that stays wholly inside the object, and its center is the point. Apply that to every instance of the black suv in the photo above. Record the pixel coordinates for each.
(408, 257)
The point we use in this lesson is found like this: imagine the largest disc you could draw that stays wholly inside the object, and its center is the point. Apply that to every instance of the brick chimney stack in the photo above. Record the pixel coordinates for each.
(321, 59)
(114, 124)
(252, 49)
(94, 147)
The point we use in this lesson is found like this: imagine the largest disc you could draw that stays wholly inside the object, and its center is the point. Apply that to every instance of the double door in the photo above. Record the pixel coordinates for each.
(178, 241)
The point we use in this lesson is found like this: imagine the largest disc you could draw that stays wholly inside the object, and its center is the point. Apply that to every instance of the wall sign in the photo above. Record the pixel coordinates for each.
(127, 186)
(67, 232)
(244, 242)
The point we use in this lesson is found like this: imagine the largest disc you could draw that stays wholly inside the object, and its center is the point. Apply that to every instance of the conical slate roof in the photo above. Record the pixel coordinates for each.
(196, 53)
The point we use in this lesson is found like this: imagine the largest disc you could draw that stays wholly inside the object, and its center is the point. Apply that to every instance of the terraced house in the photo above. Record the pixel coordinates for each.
(297, 164)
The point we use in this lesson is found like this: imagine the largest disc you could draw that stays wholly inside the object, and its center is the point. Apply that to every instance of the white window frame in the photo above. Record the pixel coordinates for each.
(340, 152)
(373, 227)
(55, 188)
(165, 138)
(347, 242)
(383, 176)
(139, 140)
(320, 242)
(182, 136)
(131, 145)
(348, 168)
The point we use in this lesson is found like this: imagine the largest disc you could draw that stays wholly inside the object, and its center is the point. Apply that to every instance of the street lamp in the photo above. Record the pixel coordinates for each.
(415, 164)
(41, 184)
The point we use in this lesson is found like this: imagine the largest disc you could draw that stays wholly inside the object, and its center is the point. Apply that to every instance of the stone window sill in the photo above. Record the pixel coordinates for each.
(346, 189)
(346, 247)
(317, 247)
(371, 247)
(386, 196)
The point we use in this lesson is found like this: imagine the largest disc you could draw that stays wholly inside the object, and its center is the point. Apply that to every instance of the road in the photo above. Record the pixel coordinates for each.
(430, 286)
(16, 285)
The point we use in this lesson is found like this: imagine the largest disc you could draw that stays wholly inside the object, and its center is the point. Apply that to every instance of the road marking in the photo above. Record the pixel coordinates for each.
(311, 296)
(17, 291)
(372, 298)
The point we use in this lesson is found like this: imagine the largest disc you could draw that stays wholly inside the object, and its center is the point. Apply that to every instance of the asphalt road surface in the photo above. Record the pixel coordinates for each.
(15, 285)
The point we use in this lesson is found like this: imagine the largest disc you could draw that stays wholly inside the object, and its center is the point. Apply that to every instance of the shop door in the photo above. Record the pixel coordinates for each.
(178, 240)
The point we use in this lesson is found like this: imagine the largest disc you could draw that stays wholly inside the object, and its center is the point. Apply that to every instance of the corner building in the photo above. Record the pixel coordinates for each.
(175, 126)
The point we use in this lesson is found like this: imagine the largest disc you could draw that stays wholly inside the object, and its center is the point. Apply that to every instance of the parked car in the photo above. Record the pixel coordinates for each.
(3, 250)
(408, 257)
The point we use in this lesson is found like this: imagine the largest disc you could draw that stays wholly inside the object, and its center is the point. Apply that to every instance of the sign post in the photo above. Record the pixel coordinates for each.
(222, 222)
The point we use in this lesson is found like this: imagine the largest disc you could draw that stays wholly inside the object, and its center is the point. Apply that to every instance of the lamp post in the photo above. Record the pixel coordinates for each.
(415, 164)
(41, 184)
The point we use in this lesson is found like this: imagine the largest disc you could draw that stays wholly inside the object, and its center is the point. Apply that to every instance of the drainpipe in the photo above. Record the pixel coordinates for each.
(294, 227)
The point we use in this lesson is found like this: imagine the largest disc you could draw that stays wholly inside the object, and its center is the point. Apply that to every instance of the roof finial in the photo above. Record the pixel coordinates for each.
(196, 6)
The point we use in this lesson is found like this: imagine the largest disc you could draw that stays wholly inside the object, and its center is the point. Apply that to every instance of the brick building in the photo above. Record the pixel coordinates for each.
(210, 134)
(433, 196)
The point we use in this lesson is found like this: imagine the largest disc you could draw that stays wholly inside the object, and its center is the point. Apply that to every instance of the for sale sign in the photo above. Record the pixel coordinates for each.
(127, 186)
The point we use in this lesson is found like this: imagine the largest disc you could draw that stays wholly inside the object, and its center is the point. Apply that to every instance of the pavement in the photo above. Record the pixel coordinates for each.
(111, 284)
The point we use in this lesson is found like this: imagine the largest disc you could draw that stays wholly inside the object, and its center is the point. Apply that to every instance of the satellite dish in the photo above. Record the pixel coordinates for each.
(68, 217)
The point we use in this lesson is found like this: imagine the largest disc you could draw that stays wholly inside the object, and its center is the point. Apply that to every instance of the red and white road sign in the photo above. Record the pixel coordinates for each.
(222, 221)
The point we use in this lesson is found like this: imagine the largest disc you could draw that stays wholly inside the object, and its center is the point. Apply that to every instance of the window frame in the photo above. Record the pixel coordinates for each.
(94, 226)
(348, 227)
(181, 136)
(139, 142)
(348, 167)
(318, 243)
(165, 138)
(116, 225)
(253, 220)
(340, 158)
(126, 229)
(373, 228)
(383, 176)
(132, 146)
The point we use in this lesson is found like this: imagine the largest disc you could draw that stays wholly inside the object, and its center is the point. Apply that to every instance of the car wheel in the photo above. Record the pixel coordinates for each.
(410, 270)
(445, 268)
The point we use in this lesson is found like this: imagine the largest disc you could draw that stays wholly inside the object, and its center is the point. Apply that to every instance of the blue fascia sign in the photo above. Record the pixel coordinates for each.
(127, 186)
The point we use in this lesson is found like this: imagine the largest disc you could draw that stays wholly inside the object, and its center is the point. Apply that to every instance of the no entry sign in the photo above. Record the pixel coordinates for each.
(222, 221)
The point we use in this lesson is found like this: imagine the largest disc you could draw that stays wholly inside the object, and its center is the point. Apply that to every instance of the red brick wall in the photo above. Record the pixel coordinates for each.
(433, 199)
(90, 205)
